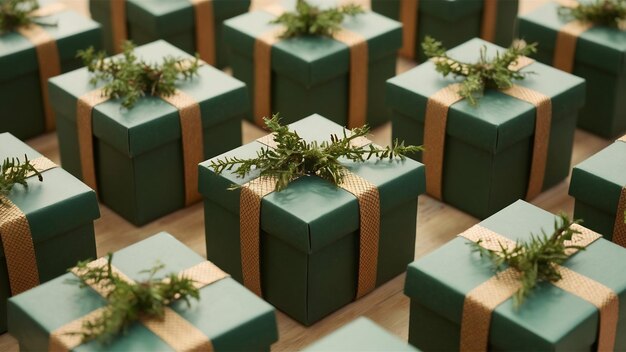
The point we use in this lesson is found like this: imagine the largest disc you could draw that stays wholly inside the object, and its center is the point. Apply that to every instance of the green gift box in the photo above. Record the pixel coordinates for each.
(20, 85)
(451, 21)
(309, 232)
(311, 74)
(138, 151)
(230, 316)
(551, 319)
(60, 212)
(360, 335)
(170, 20)
(492, 141)
(600, 59)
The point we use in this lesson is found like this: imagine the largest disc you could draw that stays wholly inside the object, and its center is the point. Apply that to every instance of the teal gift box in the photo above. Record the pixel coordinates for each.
(492, 141)
(20, 85)
(599, 58)
(360, 335)
(230, 316)
(309, 232)
(170, 20)
(550, 319)
(311, 74)
(60, 212)
(138, 151)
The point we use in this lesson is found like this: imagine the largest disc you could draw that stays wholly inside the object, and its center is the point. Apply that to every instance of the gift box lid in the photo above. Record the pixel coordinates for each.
(230, 315)
(360, 335)
(598, 181)
(58, 204)
(152, 121)
(312, 213)
(71, 31)
(313, 59)
(498, 120)
(600, 47)
(551, 319)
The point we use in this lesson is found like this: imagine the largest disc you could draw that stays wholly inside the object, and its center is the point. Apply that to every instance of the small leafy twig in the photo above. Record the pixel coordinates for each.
(293, 157)
(486, 73)
(129, 78)
(311, 20)
(15, 172)
(610, 13)
(18, 13)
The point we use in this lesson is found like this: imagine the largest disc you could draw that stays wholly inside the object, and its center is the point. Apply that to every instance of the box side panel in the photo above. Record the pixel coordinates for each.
(21, 100)
(595, 219)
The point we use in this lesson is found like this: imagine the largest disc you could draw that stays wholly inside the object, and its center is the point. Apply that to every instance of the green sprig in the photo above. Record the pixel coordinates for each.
(311, 20)
(610, 13)
(15, 172)
(18, 13)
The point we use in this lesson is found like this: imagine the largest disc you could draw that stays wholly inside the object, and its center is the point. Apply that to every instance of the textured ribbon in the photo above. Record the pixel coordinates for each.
(488, 25)
(565, 46)
(619, 227)
(172, 329)
(481, 301)
(369, 220)
(119, 27)
(17, 239)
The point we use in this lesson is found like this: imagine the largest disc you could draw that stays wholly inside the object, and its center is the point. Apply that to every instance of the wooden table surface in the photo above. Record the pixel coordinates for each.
(387, 305)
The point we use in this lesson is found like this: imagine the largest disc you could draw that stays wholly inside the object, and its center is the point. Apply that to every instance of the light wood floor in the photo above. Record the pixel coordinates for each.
(387, 305)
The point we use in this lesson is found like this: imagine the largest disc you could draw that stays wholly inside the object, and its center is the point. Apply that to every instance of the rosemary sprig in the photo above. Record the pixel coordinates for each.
(15, 172)
(311, 20)
(18, 13)
(535, 259)
(486, 73)
(129, 78)
(294, 157)
(127, 302)
(610, 13)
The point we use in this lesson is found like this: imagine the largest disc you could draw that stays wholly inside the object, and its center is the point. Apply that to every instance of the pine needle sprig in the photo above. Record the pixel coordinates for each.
(311, 20)
(18, 13)
(609, 13)
(129, 78)
(536, 259)
(14, 172)
(128, 302)
(496, 72)
(294, 157)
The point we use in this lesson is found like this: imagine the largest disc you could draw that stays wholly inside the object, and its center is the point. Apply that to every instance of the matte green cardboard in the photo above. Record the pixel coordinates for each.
(549, 320)
(310, 230)
(488, 147)
(310, 74)
(60, 211)
(233, 318)
(600, 58)
(138, 151)
(20, 87)
(454, 21)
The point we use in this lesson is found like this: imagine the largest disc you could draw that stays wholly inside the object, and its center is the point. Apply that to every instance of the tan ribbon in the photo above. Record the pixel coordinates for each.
(17, 239)
(619, 227)
(119, 27)
(172, 329)
(205, 30)
(480, 302)
(488, 25)
(357, 109)
(565, 46)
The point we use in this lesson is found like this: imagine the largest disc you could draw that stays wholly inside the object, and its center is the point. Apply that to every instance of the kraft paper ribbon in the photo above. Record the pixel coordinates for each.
(480, 302)
(119, 27)
(619, 227)
(435, 133)
(17, 239)
(173, 329)
(565, 46)
(250, 222)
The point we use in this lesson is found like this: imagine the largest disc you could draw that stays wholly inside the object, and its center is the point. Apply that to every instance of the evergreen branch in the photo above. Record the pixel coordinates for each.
(311, 20)
(15, 172)
(610, 13)
(129, 78)
(18, 13)
(293, 157)
(486, 73)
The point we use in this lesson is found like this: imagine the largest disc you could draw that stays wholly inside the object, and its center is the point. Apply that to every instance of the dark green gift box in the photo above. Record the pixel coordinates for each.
(551, 319)
(310, 74)
(310, 231)
(488, 147)
(233, 318)
(600, 58)
(60, 212)
(170, 20)
(20, 87)
(138, 151)
(454, 21)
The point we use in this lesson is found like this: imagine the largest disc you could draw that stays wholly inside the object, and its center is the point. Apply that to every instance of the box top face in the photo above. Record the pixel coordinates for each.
(598, 181)
(222, 313)
(498, 120)
(600, 47)
(132, 131)
(313, 59)
(551, 318)
(311, 212)
(58, 204)
(360, 335)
